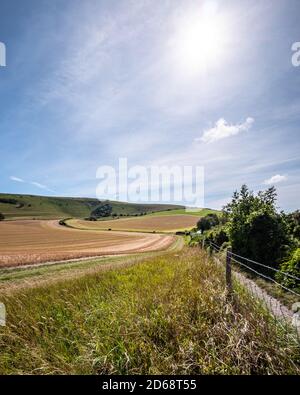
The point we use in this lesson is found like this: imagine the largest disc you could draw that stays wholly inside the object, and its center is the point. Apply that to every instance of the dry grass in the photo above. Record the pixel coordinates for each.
(23, 242)
(167, 314)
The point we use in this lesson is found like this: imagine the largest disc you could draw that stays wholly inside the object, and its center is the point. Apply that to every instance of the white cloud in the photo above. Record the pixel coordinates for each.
(17, 179)
(223, 129)
(41, 186)
(275, 179)
(37, 184)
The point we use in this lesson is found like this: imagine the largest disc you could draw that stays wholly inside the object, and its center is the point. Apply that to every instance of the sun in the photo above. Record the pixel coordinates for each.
(201, 40)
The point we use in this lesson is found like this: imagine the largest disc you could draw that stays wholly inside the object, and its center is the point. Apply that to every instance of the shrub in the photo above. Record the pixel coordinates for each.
(203, 224)
(290, 266)
(207, 222)
(8, 201)
(218, 236)
(267, 240)
(104, 210)
(256, 230)
(293, 223)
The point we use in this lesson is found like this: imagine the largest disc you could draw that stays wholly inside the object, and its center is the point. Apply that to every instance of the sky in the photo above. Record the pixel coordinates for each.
(164, 83)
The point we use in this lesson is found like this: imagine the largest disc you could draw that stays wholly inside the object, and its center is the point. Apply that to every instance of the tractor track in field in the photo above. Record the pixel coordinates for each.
(60, 271)
(25, 243)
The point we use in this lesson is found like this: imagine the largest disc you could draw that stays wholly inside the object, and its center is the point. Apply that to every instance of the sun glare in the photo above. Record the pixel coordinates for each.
(200, 41)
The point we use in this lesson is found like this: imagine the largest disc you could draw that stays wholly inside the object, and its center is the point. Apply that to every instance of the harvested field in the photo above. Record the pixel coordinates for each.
(26, 242)
(163, 223)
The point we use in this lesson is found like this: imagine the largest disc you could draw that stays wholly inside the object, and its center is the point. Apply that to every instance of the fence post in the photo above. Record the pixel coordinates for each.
(202, 244)
(228, 273)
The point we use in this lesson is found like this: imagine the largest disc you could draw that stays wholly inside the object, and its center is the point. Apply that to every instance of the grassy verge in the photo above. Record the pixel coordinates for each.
(167, 314)
(20, 273)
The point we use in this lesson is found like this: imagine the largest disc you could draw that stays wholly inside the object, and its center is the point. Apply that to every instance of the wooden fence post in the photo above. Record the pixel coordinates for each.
(202, 244)
(228, 273)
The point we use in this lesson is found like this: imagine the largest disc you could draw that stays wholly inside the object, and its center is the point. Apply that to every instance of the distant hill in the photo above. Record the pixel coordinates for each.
(31, 206)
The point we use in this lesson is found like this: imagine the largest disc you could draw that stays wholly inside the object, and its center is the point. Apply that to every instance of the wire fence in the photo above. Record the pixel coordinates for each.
(283, 316)
(262, 265)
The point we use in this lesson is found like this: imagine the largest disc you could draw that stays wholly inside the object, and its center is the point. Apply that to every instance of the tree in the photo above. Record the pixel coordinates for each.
(214, 219)
(218, 236)
(203, 224)
(207, 222)
(293, 223)
(292, 267)
(256, 230)
(104, 210)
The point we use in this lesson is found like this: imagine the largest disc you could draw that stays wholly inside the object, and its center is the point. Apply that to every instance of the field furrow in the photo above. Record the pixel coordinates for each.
(25, 242)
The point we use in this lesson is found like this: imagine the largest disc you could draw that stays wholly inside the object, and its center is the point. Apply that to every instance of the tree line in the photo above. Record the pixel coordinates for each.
(254, 229)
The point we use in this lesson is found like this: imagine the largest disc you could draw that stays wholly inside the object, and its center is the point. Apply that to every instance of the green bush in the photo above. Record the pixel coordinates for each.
(104, 210)
(217, 236)
(293, 223)
(207, 222)
(256, 230)
(291, 266)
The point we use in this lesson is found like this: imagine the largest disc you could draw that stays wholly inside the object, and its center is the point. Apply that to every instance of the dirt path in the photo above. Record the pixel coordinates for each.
(276, 308)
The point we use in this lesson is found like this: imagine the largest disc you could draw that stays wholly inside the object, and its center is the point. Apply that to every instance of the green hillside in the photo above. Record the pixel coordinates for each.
(30, 206)
(201, 212)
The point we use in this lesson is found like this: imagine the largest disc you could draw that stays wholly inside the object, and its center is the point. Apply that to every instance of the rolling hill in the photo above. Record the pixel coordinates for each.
(31, 206)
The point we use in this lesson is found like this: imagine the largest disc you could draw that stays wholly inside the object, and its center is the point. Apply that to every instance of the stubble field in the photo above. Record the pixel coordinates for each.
(166, 223)
(29, 242)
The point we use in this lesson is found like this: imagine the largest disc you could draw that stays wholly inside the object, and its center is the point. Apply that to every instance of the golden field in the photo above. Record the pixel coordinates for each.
(35, 241)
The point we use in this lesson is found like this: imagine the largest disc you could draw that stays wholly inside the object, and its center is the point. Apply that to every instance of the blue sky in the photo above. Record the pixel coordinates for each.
(87, 82)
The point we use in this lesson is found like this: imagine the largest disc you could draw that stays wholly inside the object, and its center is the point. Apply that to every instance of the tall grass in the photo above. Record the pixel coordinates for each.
(167, 314)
